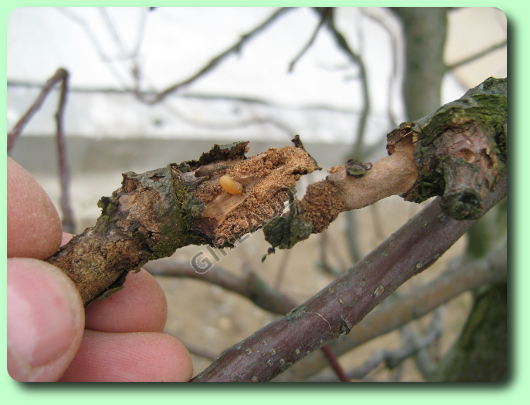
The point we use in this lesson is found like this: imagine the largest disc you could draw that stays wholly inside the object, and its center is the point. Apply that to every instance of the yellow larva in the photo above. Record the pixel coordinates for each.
(229, 185)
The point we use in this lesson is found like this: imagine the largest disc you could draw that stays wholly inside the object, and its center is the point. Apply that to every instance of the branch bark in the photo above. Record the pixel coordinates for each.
(395, 312)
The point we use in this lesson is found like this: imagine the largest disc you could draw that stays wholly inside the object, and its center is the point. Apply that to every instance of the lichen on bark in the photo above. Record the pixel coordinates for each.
(460, 149)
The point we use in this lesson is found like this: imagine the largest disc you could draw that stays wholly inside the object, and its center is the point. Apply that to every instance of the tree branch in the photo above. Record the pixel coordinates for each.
(324, 14)
(12, 136)
(342, 304)
(251, 286)
(458, 152)
(395, 312)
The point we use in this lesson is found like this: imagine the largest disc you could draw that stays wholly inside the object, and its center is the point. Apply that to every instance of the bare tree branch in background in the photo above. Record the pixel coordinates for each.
(95, 43)
(424, 30)
(282, 269)
(214, 62)
(250, 286)
(478, 55)
(324, 14)
(343, 44)
(271, 121)
(59, 77)
(393, 76)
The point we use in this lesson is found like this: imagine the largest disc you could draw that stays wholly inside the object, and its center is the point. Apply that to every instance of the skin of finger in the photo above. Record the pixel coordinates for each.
(45, 320)
(140, 306)
(33, 225)
(129, 357)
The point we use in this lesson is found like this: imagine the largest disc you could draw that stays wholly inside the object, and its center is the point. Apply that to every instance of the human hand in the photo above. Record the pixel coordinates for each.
(47, 339)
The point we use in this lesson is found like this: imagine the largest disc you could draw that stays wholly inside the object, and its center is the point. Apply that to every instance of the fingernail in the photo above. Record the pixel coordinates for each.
(40, 321)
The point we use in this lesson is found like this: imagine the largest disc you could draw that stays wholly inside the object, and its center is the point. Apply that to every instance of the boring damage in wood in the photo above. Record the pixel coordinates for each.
(213, 200)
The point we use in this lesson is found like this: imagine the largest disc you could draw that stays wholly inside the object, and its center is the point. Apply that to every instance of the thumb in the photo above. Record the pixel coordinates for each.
(45, 320)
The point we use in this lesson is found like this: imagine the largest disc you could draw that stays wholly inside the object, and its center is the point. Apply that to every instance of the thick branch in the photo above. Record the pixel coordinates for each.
(395, 312)
(341, 305)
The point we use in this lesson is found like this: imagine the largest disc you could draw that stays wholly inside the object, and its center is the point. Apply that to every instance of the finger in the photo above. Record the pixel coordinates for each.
(66, 237)
(140, 306)
(33, 225)
(129, 357)
(45, 320)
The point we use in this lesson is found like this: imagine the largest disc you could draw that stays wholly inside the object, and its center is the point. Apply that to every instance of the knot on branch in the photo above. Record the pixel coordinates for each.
(460, 149)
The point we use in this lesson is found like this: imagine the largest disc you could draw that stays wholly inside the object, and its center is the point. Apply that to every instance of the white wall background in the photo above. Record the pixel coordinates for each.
(98, 48)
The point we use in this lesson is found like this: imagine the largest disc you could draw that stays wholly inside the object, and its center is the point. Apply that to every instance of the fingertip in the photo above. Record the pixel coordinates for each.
(130, 357)
(140, 306)
(45, 320)
(33, 225)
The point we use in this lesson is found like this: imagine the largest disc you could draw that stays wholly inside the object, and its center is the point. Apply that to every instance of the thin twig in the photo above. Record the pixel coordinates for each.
(282, 269)
(250, 286)
(393, 359)
(475, 56)
(424, 362)
(111, 28)
(394, 72)
(12, 136)
(215, 61)
(323, 247)
(95, 43)
(68, 219)
(324, 14)
(377, 224)
(335, 364)
(274, 122)
(351, 236)
(343, 44)
(195, 96)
